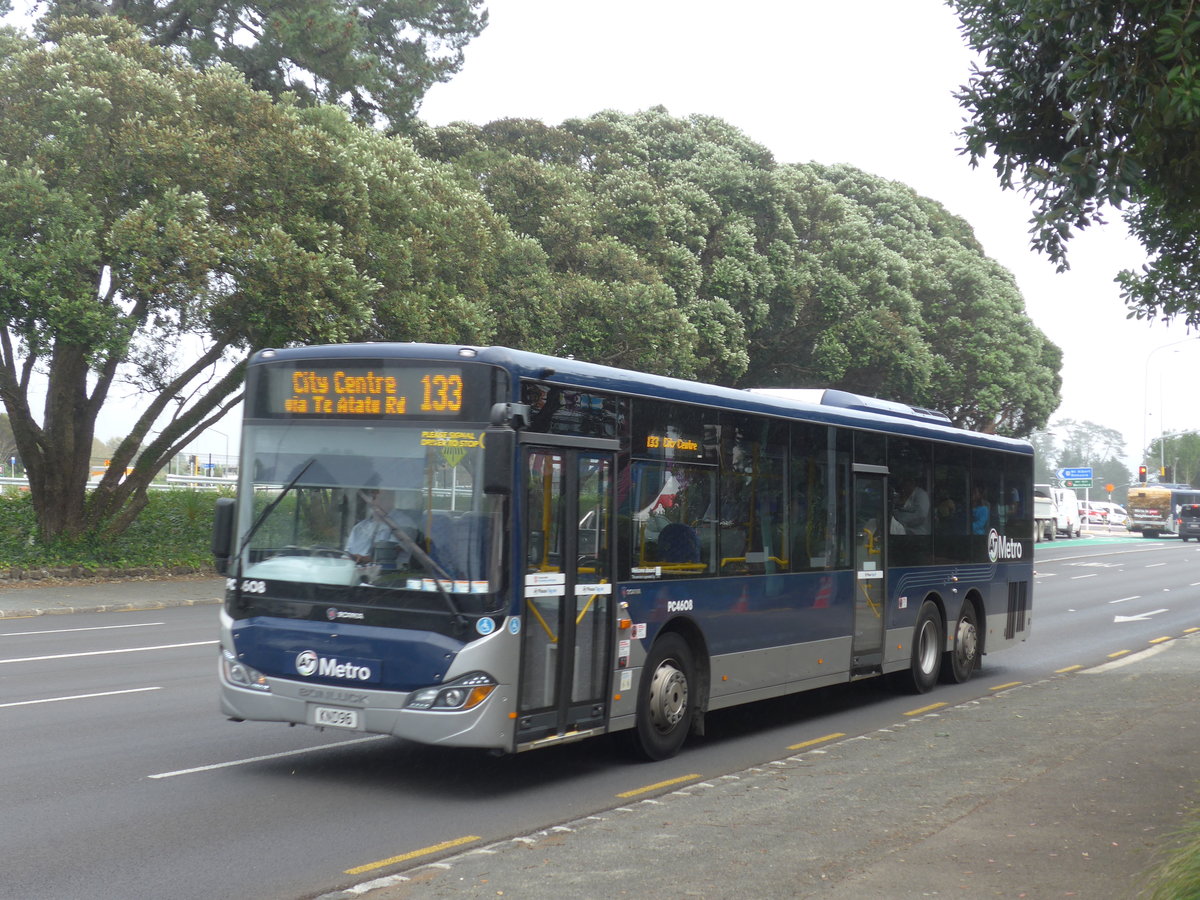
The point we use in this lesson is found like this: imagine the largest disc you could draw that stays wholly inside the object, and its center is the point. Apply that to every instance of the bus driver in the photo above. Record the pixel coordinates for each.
(379, 527)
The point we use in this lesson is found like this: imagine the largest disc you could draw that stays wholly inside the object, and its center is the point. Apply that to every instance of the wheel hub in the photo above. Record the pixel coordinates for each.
(966, 643)
(668, 696)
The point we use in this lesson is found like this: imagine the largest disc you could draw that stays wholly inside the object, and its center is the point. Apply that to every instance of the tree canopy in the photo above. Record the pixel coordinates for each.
(785, 275)
(1095, 104)
(159, 222)
(377, 58)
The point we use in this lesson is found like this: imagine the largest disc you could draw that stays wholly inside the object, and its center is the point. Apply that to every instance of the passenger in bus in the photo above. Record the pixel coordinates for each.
(912, 507)
(375, 534)
(981, 512)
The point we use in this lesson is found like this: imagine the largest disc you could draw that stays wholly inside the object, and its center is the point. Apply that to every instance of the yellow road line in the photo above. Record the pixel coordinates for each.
(650, 788)
(925, 709)
(405, 857)
(1162, 640)
(815, 741)
(1117, 654)
(1067, 669)
(1001, 687)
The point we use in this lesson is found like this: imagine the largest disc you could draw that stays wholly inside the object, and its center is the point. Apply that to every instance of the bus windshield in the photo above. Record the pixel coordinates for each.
(375, 514)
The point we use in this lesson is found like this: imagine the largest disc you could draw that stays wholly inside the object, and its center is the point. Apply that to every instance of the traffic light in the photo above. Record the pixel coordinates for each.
(1142, 474)
(1168, 474)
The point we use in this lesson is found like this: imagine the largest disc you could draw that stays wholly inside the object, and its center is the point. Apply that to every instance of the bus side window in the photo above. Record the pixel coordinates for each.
(672, 524)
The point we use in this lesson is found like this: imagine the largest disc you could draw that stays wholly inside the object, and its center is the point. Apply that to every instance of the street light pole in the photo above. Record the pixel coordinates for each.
(225, 464)
(1146, 397)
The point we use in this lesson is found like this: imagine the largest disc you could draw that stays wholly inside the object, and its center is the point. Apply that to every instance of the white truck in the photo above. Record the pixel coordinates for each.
(1045, 517)
(1067, 521)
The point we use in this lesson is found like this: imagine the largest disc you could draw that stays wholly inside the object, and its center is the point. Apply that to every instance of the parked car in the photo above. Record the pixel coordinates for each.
(1187, 521)
(1093, 513)
(1117, 515)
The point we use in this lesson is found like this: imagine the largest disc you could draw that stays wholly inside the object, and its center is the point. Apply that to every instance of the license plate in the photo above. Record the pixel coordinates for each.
(334, 717)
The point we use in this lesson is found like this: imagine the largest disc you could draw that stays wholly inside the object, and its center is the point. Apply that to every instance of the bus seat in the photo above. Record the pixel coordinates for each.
(678, 543)
(384, 553)
(443, 547)
(472, 534)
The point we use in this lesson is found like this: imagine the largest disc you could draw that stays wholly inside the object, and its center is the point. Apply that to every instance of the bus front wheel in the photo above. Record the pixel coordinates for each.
(665, 699)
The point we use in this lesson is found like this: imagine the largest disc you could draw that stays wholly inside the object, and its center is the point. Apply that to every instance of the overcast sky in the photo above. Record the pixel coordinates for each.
(864, 82)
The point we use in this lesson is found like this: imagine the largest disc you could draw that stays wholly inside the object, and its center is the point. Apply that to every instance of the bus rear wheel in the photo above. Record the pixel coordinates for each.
(927, 646)
(963, 658)
(665, 699)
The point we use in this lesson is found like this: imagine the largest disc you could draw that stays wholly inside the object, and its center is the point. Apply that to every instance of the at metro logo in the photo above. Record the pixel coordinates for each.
(309, 663)
(1001, 547)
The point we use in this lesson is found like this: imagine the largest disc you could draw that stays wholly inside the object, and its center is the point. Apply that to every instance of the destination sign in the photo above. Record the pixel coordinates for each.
(375, 389)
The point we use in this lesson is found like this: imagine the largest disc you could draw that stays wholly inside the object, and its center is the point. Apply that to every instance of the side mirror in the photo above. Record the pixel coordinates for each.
(222, 539)
(500, 448)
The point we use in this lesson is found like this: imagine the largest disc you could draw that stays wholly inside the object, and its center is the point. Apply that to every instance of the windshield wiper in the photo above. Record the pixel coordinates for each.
(262, 517)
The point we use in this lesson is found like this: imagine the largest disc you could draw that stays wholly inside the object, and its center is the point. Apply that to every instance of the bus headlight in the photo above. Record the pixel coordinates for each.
(463, 693)
(239, 674)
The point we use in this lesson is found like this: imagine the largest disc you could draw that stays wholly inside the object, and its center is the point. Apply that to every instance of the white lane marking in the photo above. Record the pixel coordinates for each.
(106, 652)
(1140, 617)
(79, 697)
(1089, 575)
(254, 759)
(69, 630)
(1123, 599)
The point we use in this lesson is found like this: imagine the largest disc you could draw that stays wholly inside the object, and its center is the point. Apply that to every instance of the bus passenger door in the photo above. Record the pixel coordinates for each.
(870, 568)
(567, 524)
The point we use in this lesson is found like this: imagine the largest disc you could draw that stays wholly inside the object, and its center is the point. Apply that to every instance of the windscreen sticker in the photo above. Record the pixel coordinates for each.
(545, 590)
(587, 590)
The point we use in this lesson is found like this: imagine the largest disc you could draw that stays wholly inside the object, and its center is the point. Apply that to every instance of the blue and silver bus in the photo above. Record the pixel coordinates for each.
(482, 547)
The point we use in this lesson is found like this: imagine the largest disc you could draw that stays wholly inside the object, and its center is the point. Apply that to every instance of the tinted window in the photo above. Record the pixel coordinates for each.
(672, 524)
(561, 410)
(753, 512)
(911, 520)
(951, 504)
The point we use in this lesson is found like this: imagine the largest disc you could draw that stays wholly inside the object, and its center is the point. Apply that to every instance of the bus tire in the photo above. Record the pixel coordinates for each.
(666, 699)
(962, 659)
(926, 663)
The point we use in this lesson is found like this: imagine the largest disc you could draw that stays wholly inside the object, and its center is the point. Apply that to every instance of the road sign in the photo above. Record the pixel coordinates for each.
(1082, 473)
(1077, 482)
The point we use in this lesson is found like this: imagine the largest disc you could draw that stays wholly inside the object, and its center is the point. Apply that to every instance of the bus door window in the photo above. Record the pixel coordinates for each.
(870, 564)
(593, 577)
(568, 512)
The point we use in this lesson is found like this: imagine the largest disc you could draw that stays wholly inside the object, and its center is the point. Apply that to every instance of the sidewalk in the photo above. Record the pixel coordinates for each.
(38, 598)
(1062, 788)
